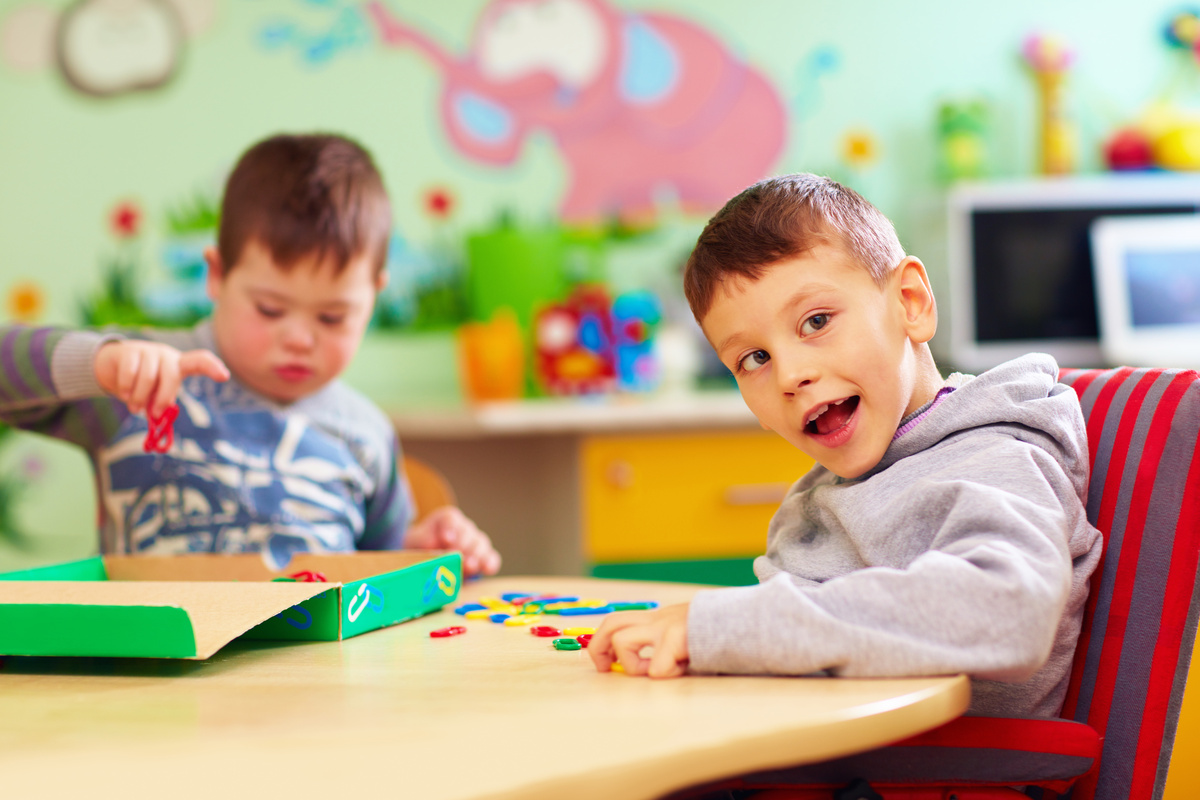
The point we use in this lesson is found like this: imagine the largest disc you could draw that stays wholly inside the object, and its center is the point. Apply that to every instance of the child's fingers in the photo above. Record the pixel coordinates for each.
(146, 380)
(127, 371)
(166, 389)
(203, 362)
(491, 561)
(670, 655)
(627, 645)
(599, 648)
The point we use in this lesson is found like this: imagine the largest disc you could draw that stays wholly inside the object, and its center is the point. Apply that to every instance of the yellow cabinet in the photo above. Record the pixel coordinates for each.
(683, 496)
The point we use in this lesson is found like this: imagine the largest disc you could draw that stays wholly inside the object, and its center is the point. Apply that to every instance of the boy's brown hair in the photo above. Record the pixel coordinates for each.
(306, 195)
(780, 218)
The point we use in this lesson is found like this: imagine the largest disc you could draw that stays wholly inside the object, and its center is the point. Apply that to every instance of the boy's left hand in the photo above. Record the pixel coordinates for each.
(447, 528)
(622, 636)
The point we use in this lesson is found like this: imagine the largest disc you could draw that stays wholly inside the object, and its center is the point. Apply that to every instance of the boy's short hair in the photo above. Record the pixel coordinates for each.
(780, 218)
(305, 195)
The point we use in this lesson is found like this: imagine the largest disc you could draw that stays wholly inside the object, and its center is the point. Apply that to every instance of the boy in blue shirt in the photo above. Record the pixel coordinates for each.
(271, 452)
(943, 529)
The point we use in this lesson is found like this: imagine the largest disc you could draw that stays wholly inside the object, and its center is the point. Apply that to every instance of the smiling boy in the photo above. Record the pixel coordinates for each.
(943, 529)
(271, 452)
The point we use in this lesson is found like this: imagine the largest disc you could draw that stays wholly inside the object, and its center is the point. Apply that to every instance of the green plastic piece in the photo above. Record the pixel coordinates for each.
(75, 630)
(567, 644)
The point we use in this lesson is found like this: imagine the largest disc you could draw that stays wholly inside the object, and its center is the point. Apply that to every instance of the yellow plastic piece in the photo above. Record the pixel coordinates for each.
(577, 631)
(521, 619)
(493, 602)
(616, 667)
(642, 503)
(480, 613)
(557, 606)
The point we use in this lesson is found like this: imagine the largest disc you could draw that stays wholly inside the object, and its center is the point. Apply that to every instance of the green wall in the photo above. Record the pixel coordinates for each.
(66, 158)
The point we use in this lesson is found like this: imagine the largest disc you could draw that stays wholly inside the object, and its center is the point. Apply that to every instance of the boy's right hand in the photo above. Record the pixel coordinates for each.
(146, 376)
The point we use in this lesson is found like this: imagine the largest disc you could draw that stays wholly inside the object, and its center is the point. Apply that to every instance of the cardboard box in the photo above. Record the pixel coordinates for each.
(192, 606)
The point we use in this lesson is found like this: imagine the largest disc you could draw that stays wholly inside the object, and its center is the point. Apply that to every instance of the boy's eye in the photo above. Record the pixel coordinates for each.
(270, 311)
(332, 319)
(755, 360)
(814, 323)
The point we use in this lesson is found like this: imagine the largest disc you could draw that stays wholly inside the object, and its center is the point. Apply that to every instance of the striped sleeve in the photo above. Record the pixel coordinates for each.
(48, 385)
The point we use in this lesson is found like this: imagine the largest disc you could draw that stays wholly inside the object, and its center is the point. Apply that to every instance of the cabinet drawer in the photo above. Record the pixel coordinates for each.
(681, 496)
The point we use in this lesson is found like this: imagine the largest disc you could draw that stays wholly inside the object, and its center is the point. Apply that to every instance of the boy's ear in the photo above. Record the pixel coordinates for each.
(381, 281)
(917, 301)
(216, 272)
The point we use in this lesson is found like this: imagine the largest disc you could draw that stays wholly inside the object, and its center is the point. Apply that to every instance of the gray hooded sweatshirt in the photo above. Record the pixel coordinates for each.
(965, 550)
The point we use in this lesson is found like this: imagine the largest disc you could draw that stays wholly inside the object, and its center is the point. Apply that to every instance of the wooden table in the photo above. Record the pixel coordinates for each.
(494, 713)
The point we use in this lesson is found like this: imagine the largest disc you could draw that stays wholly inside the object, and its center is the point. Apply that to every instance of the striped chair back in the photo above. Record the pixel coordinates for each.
(1140, 622)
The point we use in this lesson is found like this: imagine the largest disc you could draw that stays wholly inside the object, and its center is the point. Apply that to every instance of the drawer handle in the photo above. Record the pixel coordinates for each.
(619, 474)
(756, 494)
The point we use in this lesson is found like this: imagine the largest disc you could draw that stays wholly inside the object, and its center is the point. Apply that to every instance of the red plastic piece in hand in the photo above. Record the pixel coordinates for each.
(309, 576)
(161, 433)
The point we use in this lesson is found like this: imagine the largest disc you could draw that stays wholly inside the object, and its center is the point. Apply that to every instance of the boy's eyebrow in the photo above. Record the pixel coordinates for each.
(271, 294)
(797, 297)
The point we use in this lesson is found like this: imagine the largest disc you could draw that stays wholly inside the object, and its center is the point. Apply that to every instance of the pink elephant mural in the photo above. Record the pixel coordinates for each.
(637, 103)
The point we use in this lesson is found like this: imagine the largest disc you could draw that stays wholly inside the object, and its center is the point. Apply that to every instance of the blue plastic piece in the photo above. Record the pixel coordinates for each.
(465, 607)
(584, 611)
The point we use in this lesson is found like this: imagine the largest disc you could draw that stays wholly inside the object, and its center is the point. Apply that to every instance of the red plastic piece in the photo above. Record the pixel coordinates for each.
(584, 638)
(161, 431)
(309, 576)
(545, 630)
(453, 630)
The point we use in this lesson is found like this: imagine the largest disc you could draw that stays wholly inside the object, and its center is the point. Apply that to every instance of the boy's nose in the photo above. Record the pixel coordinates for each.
(298, 336)
(795, 375)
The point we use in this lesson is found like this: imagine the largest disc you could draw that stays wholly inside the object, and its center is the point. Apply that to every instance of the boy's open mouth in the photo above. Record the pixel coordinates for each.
(830, 417)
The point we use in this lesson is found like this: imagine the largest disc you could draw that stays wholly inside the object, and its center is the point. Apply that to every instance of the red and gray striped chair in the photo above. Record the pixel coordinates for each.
(1115, 738)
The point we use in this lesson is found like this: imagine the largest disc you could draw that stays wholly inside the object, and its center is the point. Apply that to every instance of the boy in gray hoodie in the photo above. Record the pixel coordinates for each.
(943, 529)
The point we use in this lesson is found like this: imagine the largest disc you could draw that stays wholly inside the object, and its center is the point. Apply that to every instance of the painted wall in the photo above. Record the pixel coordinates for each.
(442, 94)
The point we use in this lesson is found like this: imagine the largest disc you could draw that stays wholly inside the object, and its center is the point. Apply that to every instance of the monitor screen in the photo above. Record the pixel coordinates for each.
(1164, 287)
(1020, 261)
(1033, 271)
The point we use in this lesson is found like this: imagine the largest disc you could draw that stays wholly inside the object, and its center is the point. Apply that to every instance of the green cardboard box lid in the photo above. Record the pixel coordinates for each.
(191, 606)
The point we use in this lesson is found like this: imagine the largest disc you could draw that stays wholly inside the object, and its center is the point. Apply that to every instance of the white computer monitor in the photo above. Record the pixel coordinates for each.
(1147, 274)
(1020, 261)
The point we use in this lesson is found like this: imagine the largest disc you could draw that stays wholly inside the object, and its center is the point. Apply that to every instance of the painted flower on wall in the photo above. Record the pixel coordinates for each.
(859, 148)
(125, 219)
(26, 302)
(439, 202)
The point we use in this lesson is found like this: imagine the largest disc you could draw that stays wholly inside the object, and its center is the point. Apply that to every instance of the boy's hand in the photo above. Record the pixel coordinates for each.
(447, 528)
(622, 636)
(145, 376)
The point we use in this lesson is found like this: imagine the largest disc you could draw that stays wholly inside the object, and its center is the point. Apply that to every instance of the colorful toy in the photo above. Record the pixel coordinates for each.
(1129, 149)
(588, 345)
(963, 135)
(574, 344)
(1050, 59)
(636, 315)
